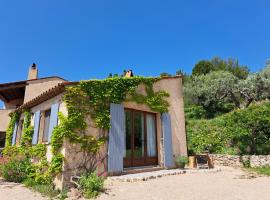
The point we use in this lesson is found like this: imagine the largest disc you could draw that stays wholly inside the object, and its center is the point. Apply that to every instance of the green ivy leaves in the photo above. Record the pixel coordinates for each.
(28, 130)
(94, 97)
(13, 119)
(89, 98)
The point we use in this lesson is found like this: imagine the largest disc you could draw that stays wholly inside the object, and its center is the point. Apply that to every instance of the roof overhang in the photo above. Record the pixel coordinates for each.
(12, 91)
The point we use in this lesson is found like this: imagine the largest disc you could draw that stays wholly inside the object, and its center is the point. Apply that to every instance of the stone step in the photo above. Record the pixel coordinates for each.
(136, 170)
(144, 176)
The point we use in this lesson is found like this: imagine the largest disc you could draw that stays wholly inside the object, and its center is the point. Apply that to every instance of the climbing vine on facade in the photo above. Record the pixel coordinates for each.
(37, 170)
(13, 119)
(28, 130)
(86, 99)
(93, 98)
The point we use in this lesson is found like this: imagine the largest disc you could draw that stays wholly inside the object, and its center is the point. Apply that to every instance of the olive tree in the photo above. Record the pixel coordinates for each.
(255, 88)
(213, 91)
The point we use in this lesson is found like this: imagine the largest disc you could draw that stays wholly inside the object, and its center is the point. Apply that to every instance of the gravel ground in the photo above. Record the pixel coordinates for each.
(229, 184)
(13, 191)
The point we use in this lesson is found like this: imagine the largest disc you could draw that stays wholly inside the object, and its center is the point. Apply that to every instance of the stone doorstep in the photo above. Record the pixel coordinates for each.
(158, 174)
(136, 170)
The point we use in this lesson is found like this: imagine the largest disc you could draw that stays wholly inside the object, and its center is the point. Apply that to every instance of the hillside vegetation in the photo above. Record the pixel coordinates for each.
(227, 108)
(242, 131)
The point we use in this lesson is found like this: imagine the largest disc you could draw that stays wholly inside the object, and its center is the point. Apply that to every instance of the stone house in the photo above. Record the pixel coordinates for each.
(139, 139)
(15, 94)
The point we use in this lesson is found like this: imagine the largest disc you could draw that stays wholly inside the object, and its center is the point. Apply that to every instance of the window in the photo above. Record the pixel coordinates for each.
(140, 146)
(47, 116)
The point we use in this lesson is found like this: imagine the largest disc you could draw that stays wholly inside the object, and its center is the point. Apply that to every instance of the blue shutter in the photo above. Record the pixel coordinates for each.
(14, 133)
(36, 127)
(116, 138)
(53, 119)
(167, 140)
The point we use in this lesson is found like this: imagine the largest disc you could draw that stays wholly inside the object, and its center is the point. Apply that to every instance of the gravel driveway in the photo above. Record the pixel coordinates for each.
(13, 191)
(229, 184)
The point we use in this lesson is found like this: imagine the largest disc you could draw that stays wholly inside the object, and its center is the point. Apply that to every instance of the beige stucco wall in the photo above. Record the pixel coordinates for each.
(74, 156)
(36, 87)
(176, 110)
(47, 104)
(4, 119)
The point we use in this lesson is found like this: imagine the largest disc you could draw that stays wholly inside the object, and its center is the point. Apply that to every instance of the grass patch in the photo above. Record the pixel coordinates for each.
(91, 185)
(45, 190)
(262, 170)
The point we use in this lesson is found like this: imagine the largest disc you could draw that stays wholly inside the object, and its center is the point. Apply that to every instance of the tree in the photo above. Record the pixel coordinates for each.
(165, 74)
(202, 67)
(218, 64)
(110, 75)
(268, 63)
(214, 91)
(184, 75)
(180, 72)
(220, 87)
(256, 87)
(230, 65)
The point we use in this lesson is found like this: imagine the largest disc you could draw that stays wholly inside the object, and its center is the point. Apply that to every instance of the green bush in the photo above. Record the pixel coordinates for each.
(195, 112)
(181, 161)
(45, 189)
(16, 170)
(91, 185)
(243, 131)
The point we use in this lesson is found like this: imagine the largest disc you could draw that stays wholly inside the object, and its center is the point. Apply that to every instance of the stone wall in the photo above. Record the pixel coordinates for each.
(237, 161)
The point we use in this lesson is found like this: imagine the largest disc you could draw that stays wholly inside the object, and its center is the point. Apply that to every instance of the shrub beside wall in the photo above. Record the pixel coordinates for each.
(245, 131)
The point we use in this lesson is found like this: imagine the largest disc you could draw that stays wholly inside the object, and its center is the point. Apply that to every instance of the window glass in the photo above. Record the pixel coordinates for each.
(127, 150)
(138, 134)
(151, 135)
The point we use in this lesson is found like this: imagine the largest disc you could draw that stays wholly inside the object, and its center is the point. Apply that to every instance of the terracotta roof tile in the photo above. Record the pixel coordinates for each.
(52, 92)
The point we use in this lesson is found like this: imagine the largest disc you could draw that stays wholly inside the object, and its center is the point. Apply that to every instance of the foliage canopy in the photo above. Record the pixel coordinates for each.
(243, 131)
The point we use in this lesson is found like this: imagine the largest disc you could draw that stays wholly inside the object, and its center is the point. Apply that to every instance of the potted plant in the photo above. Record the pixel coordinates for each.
(181, 161)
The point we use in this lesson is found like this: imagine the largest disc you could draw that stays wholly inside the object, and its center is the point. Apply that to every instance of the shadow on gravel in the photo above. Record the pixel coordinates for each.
(5, 184)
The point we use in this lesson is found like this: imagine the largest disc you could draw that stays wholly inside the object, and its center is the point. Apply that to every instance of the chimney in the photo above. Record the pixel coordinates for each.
(129, 74)
(33, 72)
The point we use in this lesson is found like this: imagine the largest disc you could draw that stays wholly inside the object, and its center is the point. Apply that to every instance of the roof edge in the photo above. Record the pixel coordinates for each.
(50, 93)
(48, 77)
(56, 90)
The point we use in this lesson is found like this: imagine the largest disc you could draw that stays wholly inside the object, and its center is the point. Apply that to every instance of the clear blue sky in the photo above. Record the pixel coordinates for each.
(83, 39)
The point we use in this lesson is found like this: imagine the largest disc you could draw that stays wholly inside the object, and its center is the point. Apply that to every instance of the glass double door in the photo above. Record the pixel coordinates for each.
(140, 139)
